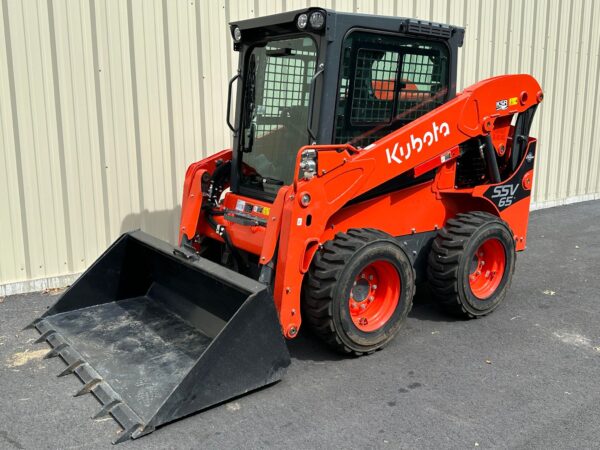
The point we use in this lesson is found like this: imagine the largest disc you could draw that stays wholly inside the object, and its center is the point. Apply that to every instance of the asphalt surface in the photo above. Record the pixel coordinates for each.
(527, 376)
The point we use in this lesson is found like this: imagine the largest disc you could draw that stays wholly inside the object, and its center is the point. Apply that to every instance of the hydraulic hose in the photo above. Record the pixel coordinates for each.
(487, 147)
(223, 233)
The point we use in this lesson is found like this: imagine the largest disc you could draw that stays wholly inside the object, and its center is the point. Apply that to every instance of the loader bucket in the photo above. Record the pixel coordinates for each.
(155, 334)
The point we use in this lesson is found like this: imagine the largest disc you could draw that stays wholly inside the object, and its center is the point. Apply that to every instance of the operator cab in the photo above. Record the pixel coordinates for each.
(316, 76)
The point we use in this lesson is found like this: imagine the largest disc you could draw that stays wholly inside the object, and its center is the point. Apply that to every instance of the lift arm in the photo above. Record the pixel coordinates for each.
(471, 113)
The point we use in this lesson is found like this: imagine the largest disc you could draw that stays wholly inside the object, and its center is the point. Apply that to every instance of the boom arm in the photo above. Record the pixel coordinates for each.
(470, 114)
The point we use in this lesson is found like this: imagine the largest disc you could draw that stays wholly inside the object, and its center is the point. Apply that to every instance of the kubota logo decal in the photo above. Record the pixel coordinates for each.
(416, 144)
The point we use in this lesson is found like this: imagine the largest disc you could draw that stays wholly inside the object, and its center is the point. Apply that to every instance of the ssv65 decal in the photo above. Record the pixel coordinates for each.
(513, 190)
(505, 194)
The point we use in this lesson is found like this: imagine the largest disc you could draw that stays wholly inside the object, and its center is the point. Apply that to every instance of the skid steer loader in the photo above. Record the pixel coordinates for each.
(356, 172)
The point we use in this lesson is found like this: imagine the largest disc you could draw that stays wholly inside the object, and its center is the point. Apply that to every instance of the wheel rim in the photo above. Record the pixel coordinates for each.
(487, 268)
(374, 296)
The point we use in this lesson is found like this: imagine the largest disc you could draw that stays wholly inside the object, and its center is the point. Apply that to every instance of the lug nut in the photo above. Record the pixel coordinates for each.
(363, 306)
(370, 277)
(374, 287)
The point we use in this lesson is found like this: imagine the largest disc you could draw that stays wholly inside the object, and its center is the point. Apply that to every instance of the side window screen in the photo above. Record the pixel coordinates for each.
(421, 75)
(387, 82)
(373, 92)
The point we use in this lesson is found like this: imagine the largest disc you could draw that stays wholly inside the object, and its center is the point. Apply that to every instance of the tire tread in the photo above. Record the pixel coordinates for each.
(323, 276)
(444, 259)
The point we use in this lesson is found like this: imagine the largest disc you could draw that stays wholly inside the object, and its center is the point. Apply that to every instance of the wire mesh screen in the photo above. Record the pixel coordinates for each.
(387, 82)
(422, 90)
(286, 86)
(373, 92)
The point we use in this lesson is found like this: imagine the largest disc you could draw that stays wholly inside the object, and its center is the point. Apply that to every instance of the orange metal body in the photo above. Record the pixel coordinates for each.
(191, 203)
(296, 230)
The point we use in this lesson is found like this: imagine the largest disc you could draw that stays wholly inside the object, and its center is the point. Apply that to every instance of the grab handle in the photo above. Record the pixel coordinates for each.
(311, 133)
(235, 77)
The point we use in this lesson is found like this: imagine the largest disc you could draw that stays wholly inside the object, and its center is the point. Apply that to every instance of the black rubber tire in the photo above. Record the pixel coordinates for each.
(450, 258)
(328, 283)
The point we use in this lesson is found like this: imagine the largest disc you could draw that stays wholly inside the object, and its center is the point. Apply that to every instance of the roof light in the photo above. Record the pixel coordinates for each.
(317, 20)
(302, 21)
(237, 34)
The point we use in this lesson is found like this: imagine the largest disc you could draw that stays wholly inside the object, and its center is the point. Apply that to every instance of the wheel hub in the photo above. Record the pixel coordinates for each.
(487, 268)
(360, 290)
(374, 296)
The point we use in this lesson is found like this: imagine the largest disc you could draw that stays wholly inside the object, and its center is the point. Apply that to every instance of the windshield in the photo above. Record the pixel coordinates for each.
(275, 111)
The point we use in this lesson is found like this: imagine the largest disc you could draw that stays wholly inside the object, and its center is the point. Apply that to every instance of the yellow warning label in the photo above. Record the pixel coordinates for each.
(266, 210)
(512, 101)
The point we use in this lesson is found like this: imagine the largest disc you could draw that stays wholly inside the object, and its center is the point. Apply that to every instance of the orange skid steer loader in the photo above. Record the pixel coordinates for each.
(356, 172)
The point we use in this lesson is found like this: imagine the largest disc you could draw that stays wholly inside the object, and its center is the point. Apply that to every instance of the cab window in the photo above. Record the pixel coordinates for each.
(386, 82)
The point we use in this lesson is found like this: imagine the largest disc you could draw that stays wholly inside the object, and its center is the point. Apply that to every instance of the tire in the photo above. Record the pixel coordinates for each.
(361, 267)
(457, 271)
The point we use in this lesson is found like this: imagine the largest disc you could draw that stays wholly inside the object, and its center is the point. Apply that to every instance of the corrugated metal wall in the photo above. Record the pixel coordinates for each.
(103, 104)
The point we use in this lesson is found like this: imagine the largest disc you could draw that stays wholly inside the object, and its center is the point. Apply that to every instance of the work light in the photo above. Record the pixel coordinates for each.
(237, 34)
(302, 21)
(317, 20)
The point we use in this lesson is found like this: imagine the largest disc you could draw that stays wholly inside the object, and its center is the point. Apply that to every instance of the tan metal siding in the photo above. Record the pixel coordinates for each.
(104, 103)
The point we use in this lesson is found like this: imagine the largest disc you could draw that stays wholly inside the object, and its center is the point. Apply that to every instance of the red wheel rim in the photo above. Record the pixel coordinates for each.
(487, 268)
(374, 296)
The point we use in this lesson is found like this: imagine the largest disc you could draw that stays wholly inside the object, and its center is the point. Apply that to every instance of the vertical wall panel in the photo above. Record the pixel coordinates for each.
(117, 113)
(104, 103)
(183, 77)
(42, 198)
(591, 171)
(12, 251)
(80, 147)
(580, 91)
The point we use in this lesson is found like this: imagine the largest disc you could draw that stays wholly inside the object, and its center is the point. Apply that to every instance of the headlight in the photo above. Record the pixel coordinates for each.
(302, 21)
(317, 20)
(308, 164)
(237, 34)
(305, 199)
